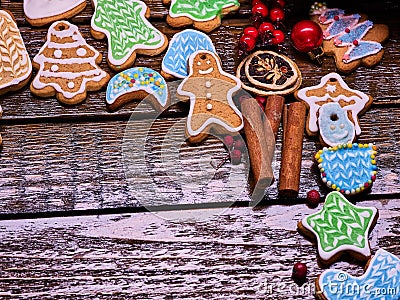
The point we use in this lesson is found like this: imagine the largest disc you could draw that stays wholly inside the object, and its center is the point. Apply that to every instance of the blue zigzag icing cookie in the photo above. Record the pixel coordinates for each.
(348, 168)
(381, 281)
(181, 46)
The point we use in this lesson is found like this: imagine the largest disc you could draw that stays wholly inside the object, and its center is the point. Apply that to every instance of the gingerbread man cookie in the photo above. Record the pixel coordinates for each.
(39, 12)
(381, 280)
(210, 91)
(67, 66)
(334, 109)
(340, 227)
(15, 64)
(352, 40)
(125, 24)
(204, 15)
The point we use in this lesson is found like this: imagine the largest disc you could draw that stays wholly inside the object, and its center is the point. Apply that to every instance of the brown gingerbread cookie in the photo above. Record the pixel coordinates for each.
(204, 15)
(210, 91)
(15, 64)
(352, 40)
(334, 109)
(67, 66)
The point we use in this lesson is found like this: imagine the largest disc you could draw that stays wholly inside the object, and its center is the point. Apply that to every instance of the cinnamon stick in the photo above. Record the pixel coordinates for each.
(273, 112)
(258, 146)
(289, 179)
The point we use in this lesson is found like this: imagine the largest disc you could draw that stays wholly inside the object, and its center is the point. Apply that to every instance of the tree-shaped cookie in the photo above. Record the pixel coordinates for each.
(67, 66)
(340, 227)
(210, 91)
(128, 31)
(352, 40)
(204, 15)
(15, 64)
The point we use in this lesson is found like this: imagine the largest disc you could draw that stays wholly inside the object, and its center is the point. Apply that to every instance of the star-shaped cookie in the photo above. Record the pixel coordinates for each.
(333, 89)
(340, 227)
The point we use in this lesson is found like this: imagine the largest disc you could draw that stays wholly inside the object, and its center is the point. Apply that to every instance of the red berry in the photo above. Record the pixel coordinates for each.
(299, 271)
(366, 185)
(278, 38)
(266, 27)
(261, 101)
(251, 31)
(347, 30)
(228, 141)
(355, 43)
(261, 9)
(336, 18)
(255, 2)
(277, 14)
(247, 42)
(239, 145)
(236, 157)
(313, 197)
(373, 177)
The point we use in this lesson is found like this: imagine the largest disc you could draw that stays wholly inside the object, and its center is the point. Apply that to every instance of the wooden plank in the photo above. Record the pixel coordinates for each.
(48, 167)
(239, 254)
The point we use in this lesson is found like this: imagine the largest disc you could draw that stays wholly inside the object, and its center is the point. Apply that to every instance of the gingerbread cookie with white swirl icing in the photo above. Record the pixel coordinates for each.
(15, 64)
(67, 66)
(42, 12)
(210, 91)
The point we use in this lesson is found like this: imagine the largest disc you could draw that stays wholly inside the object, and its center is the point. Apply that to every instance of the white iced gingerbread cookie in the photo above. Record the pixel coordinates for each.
(42, 12)
(67, 66)
(210, 91)
(336, 123)
(15, 64)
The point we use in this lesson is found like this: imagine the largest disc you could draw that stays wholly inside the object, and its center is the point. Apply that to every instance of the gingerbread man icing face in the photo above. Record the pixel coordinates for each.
(204, 64)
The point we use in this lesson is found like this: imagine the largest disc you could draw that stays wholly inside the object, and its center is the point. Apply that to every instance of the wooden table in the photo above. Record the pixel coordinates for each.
(72, 227)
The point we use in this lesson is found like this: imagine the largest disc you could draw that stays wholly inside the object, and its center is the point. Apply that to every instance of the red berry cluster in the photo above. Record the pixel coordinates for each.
(265, 30)
(235, 148)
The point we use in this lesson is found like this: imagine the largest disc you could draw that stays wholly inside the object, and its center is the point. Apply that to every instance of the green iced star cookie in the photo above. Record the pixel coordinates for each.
(341, 226)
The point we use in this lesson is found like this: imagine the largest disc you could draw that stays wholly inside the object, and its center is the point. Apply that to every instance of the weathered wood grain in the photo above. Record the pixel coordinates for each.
(49, 167)
(238, 254)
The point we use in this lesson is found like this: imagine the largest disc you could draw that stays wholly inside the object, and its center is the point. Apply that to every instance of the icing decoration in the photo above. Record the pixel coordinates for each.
(381, 280)
(40, 9)
(329, 91)
(200, 10)
(126, 27)
(181, 46)
(202, 71)
(58, 65)
(137, 79)
(15, 65)
(348, 33)
(339, 26)
(327, 15)
(334, 126)
(348, 168)
(341, 226)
